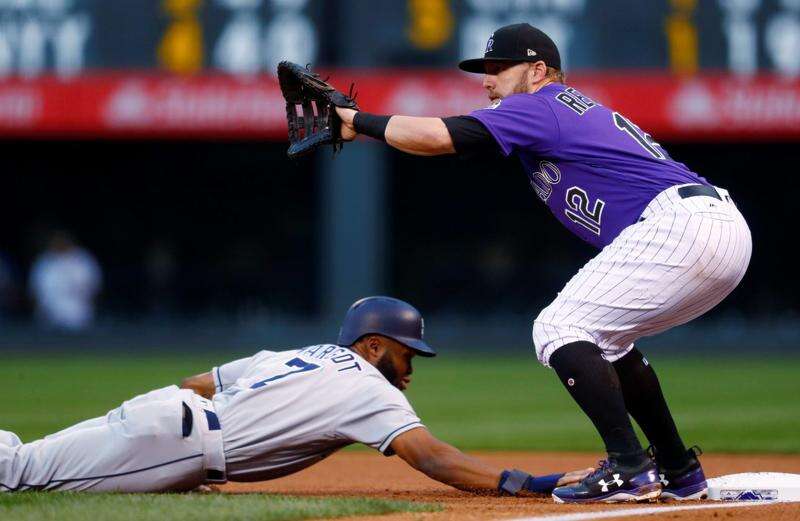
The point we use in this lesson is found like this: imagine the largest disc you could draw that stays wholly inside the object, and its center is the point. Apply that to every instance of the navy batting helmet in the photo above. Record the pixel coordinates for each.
(388, 317)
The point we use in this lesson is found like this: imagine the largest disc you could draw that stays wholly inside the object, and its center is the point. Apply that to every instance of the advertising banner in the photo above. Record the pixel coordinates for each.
(706, 107)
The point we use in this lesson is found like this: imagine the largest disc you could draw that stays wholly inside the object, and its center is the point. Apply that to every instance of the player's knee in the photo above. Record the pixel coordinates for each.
(538, 334)
(542, 337)
(549, 336)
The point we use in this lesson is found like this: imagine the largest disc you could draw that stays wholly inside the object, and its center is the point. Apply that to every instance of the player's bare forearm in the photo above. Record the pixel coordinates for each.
(419, 136)
(463, 472)
(444, 463)
(202, 384)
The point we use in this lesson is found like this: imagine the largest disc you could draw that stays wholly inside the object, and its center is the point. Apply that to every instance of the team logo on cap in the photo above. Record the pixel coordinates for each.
(490, 43)
(531, 52)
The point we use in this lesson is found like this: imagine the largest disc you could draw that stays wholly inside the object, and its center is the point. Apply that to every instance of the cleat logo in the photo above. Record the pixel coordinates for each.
(664, 480)
(615, 481)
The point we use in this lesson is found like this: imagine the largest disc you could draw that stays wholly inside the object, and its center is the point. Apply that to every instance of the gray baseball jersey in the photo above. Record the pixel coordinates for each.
(283, 411)
(275, 413)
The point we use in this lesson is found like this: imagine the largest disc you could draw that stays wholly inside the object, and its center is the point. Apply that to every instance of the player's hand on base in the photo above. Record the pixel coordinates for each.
(574, 477)
(348, 130)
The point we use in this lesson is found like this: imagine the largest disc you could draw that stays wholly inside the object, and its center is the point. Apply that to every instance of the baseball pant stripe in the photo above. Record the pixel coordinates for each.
(138, 447)
(674, 316)
(717, 290)
(635, 248)
(600, 275)
(617, 301)
(678, 295)
(89, 478)
(668, 280)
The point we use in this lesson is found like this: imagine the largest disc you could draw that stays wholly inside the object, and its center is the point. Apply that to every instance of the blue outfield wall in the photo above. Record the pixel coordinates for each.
(449, 334)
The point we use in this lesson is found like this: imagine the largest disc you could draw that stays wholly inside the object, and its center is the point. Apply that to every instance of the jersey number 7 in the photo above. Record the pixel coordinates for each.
(294, 362)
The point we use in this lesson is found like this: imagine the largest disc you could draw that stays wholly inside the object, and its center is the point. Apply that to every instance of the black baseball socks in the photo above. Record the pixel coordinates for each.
(595, 386)
(645, 402)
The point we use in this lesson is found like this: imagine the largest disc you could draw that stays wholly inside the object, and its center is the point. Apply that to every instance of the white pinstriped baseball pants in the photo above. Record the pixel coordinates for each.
(683, 259)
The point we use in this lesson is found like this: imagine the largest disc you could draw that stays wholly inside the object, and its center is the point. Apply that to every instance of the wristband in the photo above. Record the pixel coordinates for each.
(512, 481)
(542, 484)
(371, 125)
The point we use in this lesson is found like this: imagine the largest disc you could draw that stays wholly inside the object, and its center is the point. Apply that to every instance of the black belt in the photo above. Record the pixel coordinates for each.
(694, 190)
(688, 191)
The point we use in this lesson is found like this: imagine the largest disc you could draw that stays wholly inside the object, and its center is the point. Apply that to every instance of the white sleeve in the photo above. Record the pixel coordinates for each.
(378, 415)
(226, 375)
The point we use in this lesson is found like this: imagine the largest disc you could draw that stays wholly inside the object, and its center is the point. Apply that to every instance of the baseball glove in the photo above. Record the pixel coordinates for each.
(317, 123)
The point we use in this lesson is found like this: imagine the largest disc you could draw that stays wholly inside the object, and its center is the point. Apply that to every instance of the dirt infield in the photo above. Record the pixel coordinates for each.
(369, 474)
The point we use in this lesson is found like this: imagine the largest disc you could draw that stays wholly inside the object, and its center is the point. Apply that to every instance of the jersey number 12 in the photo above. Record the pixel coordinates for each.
(579, 211)
(643, 138)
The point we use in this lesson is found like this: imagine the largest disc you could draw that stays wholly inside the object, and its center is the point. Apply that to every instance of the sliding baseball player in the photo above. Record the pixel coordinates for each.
(263, 417)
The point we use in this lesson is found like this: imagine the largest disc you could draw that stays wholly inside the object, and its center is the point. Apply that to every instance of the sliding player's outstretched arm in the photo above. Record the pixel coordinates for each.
(445, 463)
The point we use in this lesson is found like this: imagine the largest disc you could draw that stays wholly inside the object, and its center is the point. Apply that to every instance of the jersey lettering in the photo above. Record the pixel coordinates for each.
(575, 101)
(346, 357)
(543, 180)
(337, 354)
(566, 139)
(328, 350)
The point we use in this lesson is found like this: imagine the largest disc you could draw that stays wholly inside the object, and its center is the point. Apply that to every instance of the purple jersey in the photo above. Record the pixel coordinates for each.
(593, 167)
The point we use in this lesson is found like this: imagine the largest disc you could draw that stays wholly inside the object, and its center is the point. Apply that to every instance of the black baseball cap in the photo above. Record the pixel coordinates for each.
(516, 43)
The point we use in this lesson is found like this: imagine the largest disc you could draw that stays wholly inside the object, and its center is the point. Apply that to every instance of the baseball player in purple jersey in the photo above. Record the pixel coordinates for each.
(672, 247)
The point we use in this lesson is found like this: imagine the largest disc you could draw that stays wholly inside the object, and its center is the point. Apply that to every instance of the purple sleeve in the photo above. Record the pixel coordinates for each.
(521, 121)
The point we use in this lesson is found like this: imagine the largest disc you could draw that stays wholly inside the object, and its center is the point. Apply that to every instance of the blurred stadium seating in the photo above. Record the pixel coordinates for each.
(154, 132)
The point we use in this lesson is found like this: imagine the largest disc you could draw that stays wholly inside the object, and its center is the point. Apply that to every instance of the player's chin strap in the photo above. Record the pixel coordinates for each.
(512, 481)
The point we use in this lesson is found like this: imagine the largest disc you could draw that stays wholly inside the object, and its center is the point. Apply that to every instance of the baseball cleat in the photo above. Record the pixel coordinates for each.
(611, 483)
(687, 483)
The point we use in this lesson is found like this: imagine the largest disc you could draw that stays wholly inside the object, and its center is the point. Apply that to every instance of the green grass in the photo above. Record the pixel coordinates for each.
(42, 506)
(496, 403)
(724, 405)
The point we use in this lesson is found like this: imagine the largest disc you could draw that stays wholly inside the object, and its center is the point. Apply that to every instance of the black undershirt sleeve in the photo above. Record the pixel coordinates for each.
(470, 137)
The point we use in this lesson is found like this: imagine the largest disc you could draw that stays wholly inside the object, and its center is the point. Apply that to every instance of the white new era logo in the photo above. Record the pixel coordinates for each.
(616, 481)
(531, 52)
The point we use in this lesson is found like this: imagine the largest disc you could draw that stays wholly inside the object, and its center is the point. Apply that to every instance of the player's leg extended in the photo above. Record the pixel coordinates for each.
(565, 344)
(116, 414)
(709, 268)
(680, 471)
(142, 450)
(594, 385)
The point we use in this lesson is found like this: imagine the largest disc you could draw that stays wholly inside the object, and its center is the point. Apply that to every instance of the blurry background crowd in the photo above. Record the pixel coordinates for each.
(146, 192)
